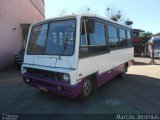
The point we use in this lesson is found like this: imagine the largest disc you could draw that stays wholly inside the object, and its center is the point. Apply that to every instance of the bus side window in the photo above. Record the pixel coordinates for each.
(98, 37)
(130, 43)
(122, 38)
(96, 43)
(113, 37)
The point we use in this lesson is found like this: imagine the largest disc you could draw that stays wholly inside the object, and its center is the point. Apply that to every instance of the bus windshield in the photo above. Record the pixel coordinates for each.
(157, 43)
(53, 38)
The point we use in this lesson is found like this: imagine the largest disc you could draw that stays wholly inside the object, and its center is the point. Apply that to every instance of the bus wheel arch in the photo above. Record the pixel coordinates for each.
(127, 65)
(93, 78)
(124, 70)
(90, 81)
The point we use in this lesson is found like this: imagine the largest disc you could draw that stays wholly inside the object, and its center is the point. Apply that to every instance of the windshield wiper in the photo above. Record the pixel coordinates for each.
(64, 47)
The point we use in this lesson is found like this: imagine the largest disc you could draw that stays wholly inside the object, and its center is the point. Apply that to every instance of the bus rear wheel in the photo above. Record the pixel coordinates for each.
(87, 89)
(123, 73)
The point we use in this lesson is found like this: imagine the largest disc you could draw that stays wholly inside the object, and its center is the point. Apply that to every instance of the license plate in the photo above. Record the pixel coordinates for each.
(43, 88)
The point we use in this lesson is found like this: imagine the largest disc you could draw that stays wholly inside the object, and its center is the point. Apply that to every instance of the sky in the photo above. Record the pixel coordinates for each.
(145, 14)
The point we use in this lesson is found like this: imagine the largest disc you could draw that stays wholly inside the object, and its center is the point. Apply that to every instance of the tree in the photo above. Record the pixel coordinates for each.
(85, 10)
(128, 22)
(113, 14)
(117, 15)
(145, 36)
(157, 34)
(63, 12)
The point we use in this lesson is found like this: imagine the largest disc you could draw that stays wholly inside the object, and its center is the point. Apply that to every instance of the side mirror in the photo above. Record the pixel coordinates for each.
(90, 26)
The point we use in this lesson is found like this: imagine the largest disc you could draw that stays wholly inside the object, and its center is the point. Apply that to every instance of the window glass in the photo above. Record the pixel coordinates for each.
(113, 38)
(38, 39)
(122, 38)
(128, 34)
(83, 40)
(130, 43)
(96, 41)
(157, 43)
(112, 32)
(122, 33)
(98, 37)
(61, 38)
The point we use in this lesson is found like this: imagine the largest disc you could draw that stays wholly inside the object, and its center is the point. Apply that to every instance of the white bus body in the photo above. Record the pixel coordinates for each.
(156, 41)
(72, 61)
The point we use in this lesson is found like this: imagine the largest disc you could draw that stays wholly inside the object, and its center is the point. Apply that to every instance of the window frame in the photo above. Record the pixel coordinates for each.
(122, 28)
(99, 21)
(86, 37)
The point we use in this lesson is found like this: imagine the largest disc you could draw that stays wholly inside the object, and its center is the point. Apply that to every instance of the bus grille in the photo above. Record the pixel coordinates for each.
(45, 74)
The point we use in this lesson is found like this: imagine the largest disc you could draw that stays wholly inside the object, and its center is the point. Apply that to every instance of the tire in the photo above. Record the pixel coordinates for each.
(123, 73)
(87, 89)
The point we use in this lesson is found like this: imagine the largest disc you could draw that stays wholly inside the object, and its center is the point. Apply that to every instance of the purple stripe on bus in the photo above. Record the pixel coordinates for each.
(51, 86)
(70, 90)
(106, 76)
(46, 80)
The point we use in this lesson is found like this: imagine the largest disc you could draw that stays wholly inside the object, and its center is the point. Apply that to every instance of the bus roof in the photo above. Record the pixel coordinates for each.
(156, 38)
(79, 16)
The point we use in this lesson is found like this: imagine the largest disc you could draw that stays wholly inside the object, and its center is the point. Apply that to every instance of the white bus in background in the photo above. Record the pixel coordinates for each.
(74, 55)
(156, 41)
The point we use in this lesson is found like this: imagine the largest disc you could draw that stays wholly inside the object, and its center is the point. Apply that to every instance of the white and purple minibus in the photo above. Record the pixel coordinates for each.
(74, 55)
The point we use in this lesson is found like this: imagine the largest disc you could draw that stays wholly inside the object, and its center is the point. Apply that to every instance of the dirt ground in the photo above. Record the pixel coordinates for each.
(145, 60)
(143, 67)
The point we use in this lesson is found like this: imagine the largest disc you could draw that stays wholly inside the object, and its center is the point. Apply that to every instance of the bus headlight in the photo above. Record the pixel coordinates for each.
(66, 77)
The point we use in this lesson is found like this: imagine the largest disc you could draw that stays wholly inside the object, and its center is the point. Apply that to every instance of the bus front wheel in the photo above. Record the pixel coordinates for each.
(87, 89)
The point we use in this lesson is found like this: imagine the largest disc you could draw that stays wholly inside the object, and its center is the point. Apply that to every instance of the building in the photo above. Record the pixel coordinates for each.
(137, 42)
(15, 18)
(136, 35)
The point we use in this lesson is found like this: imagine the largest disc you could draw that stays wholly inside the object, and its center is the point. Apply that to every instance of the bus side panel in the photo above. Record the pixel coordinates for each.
(107, 65)
(106, 76)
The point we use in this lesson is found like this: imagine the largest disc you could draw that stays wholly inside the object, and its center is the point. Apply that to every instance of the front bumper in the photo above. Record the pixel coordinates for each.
(55, 86)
